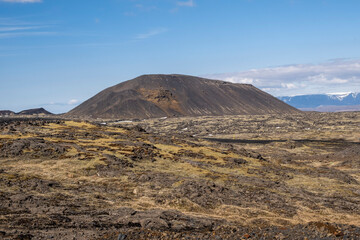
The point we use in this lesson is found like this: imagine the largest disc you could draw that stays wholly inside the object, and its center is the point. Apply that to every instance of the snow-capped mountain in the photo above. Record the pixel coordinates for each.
(316, 100)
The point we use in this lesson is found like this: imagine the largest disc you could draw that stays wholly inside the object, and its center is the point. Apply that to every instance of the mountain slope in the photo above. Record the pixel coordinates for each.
(151, 96)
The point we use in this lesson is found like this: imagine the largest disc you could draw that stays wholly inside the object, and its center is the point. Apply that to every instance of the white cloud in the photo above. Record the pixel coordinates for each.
(240, 80)
(322, 78)
(21, 1)
(189, 3)
(288, 85)
(151, 33)
(335, 75)
(73, 102)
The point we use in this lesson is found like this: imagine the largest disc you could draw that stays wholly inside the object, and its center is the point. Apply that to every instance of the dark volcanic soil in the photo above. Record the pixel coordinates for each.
(150, 96)
(76, 180)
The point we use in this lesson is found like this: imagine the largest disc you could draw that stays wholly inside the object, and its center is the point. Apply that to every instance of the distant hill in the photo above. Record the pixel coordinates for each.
(151, 96)
(332, 108)
(6, 113)
(34, 111)
(314, 101)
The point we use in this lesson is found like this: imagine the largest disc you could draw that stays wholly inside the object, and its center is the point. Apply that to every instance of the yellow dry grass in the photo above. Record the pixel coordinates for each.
(83, 155)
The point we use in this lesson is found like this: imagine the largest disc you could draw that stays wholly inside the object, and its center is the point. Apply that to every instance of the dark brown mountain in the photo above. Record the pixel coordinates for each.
(6, 113)
(34, 111)
(151, 96)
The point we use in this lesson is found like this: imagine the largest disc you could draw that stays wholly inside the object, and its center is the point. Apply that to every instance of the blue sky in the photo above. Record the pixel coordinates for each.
(58, 53)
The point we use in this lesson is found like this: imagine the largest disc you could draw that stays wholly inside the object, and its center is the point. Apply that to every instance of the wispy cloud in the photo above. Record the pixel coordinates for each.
(21, 1)
(332, 76)
(189, 3)
(140, 8)
(145, 8)
(151, 33)
(14, 22)
(71, 102)
(25, 34)
(7, 55)
(77, 45)
(13, 28)
(10, 29)
(129, 14)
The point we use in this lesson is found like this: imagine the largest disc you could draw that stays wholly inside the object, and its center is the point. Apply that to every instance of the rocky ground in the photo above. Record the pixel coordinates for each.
(238, 177)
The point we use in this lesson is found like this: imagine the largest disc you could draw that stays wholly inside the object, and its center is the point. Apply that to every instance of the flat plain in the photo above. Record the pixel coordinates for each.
(233, 177)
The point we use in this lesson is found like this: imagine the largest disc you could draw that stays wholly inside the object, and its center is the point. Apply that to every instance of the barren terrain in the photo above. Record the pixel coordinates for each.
(232, 177)
(174, 95)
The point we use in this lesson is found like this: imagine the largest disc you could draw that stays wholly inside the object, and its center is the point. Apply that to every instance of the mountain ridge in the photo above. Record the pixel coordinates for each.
(312, 101)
